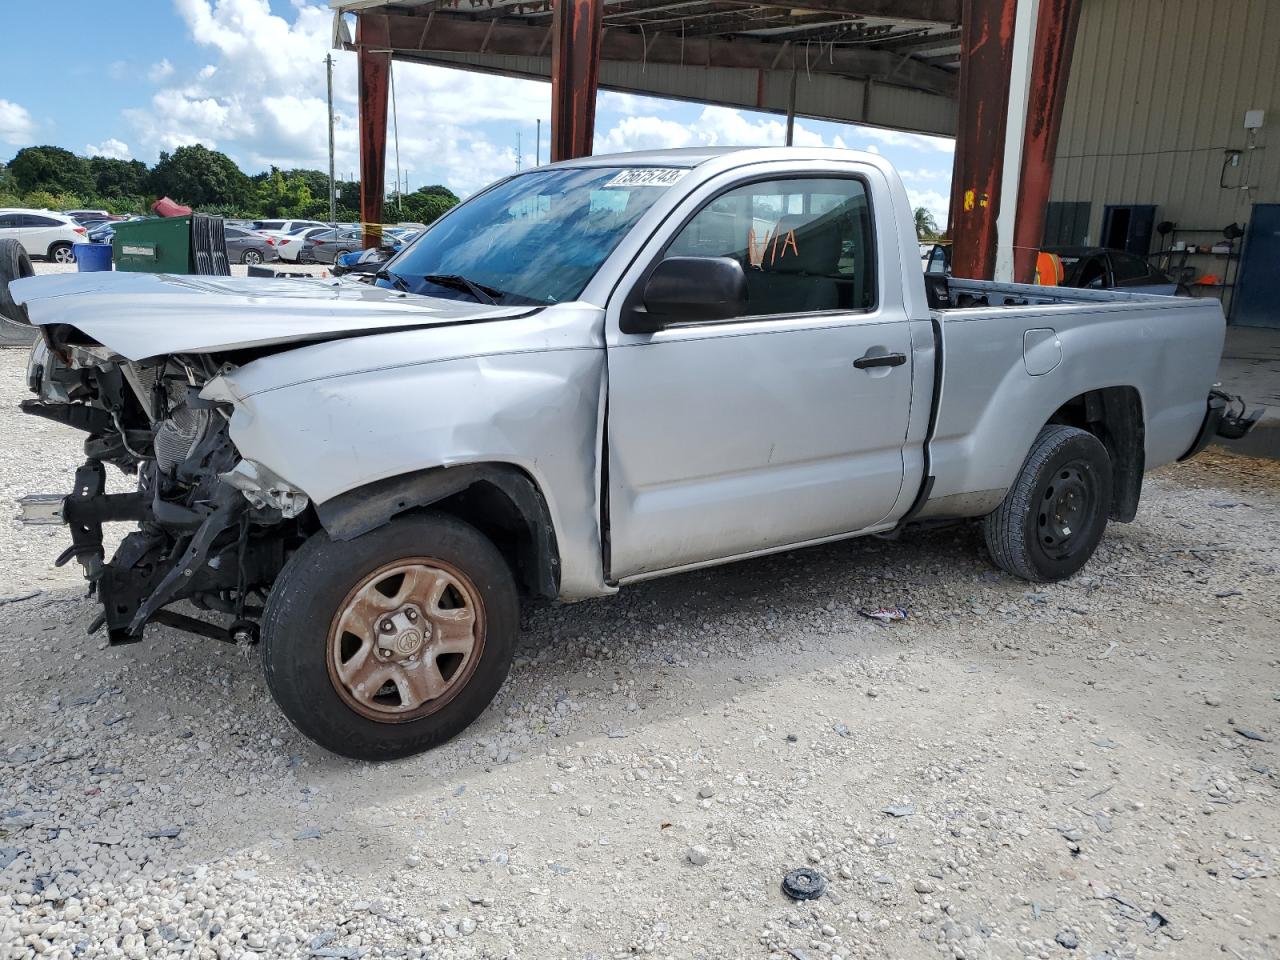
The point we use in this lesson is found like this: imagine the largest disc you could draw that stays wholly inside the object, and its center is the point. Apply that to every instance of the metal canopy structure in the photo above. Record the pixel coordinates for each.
(883, 62)
(889, 63)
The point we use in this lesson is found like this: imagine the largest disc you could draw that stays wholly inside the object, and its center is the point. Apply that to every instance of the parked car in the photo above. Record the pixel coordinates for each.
(292, 246)
(249, 246)
(1097, 268)
(101, 232)
(81, 216)
(371, 259)
(283, 226)
(590, 374)
(42, 233)
(326, 246)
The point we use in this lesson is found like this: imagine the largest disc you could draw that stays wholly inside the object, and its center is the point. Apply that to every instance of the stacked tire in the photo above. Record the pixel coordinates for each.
(15, 331)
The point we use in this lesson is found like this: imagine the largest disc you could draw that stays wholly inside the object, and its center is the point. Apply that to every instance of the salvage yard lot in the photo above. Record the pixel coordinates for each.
(1086, 769)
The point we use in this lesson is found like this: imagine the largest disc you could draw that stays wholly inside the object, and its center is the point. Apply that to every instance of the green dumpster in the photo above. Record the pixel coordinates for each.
(186, 245)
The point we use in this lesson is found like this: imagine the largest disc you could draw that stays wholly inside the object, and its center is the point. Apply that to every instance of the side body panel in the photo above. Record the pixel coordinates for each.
(728, 439)
(528, 391)
(991, 405)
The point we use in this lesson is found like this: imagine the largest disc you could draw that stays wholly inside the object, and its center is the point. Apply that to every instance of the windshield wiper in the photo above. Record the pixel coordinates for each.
(482, 293)
(399, 282)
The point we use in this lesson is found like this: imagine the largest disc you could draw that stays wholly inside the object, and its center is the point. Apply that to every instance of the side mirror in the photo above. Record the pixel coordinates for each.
(682, 289)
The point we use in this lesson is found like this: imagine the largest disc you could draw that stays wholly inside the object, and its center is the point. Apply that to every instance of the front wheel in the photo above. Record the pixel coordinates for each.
(1051, 520)
(392, 643)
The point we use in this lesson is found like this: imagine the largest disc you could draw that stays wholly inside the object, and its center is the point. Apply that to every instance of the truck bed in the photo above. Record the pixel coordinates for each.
(1012, 355)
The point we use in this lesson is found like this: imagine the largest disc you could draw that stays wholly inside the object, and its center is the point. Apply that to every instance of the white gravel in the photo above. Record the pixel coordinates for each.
(1041, 772)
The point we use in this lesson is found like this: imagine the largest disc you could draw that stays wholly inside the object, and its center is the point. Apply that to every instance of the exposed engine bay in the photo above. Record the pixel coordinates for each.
(213, 528)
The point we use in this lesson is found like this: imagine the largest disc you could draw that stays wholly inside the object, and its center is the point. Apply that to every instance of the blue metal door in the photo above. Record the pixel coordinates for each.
(1257, 299)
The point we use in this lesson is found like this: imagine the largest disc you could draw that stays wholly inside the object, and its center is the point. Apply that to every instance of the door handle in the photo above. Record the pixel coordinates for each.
(883, 360)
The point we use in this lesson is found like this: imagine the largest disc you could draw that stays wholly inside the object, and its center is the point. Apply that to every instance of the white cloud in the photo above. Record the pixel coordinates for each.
(16, 125)
(261, 99)
(111, 147)
(715, 127)
(916, 141)
(160, 71)
(936, 203)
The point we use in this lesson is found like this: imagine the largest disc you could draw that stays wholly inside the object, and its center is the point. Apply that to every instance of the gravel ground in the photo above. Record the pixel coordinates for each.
(1087, 769)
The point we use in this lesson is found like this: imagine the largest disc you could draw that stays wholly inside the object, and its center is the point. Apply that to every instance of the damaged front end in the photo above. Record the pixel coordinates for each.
(212, 528)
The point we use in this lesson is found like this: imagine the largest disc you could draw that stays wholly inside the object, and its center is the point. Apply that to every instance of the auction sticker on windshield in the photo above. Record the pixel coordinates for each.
(647, 177)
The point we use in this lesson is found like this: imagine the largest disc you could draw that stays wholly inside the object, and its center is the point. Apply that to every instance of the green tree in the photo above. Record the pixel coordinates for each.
(118, 178)
(199, 177)
(426, 204)
(282, 195)
(926, 224)
(51, 168)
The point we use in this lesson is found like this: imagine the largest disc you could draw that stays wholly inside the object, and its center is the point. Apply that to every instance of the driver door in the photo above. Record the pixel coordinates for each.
(728, 438)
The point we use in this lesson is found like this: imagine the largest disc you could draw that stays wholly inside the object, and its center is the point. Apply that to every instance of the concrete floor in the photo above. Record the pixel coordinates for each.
(1251, 368)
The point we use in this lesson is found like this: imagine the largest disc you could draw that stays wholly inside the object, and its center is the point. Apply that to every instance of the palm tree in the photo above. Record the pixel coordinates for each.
(926, 224)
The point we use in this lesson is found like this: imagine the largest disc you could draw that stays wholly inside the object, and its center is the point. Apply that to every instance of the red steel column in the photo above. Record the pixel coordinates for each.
(986, 58)
(1055, 43)
(373, 42)
(576, 30)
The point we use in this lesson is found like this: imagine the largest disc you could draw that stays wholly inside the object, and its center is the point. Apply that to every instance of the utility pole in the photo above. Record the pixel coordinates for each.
(537, 147)
(333, 190)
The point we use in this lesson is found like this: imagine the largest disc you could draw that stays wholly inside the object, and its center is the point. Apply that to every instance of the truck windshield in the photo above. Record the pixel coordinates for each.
(538, 238)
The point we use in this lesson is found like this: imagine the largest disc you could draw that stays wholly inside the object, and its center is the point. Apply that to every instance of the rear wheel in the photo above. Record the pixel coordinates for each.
(62, 253)
(1055, 513)
(392, 643)
(251, 258)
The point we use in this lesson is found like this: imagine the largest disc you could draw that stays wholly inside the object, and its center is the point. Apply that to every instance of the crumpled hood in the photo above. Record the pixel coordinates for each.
(140, 315)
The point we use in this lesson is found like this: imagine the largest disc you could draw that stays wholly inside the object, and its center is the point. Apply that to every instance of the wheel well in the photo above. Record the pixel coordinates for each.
(56, 244)
(499, 500)
(1114, 416)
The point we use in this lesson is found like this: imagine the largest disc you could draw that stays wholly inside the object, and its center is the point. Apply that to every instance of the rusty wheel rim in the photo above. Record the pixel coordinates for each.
(406, 639)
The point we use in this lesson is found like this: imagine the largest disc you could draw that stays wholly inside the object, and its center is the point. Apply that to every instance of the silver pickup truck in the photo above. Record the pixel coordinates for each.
(589, 374)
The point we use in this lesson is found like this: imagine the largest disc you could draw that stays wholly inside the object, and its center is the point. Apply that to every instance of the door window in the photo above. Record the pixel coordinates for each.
(1128, 269)
(806, 245)
(32, 220)
(9, 221)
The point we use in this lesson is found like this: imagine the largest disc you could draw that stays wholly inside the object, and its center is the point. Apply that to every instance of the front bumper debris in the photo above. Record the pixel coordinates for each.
(41, 508)
(1225, 416)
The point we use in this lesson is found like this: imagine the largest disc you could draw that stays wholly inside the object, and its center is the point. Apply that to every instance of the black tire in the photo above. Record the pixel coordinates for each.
(316, 583)
(15, 331)
(1053, 516)
(251, 258)
(62, 253)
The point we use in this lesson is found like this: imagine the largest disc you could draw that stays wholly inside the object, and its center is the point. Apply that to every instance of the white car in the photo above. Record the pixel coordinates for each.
(282, 227)
(42, 233)
(289, 245)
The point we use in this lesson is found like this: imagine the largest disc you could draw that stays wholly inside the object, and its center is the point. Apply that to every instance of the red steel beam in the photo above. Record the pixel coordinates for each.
(986, 60)
(1056, 28)
(373, 42)
(575, 76)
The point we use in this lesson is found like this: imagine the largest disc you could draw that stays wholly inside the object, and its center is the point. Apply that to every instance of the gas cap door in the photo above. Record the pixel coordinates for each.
(1041, 350)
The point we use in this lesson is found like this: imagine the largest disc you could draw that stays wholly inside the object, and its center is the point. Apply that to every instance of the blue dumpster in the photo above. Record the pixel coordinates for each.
(92, 257)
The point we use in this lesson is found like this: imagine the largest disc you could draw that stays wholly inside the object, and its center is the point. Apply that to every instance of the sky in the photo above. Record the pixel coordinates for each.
(130, 79)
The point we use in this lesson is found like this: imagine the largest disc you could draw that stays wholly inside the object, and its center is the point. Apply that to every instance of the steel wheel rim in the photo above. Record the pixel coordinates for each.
(1067, 506)
(406, 640)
